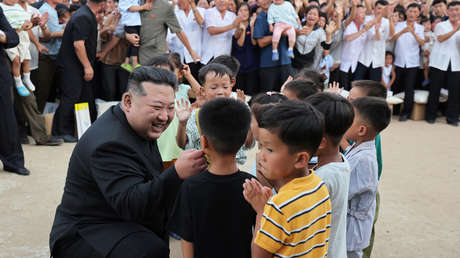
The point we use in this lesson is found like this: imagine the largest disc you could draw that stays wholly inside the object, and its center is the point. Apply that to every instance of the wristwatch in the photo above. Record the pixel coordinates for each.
(44, 27)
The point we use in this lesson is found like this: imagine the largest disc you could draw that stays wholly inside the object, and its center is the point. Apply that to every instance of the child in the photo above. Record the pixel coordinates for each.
(131, 19)
(372, 115)
(296, 221)
(216, 80)
(332, 166)
(210, 213)
(299, 89)
(427, 46)
(388, 72)
(18, 19)
(282, 19)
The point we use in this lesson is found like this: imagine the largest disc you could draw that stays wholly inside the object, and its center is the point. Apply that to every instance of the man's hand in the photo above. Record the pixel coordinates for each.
(147, 6)
(89, 73)
(195, 56)
(190, 163)
(41, 48)
(133, 38)
(256, 194)
(43, 19)
(183, 110)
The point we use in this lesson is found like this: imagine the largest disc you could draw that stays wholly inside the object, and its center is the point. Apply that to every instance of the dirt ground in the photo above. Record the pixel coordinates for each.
(419, 212)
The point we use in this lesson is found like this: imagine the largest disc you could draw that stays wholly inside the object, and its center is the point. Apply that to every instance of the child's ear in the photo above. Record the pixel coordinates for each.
(302, 160)
(233, 82)
(362, 131)
(323, 144)
(204, 144)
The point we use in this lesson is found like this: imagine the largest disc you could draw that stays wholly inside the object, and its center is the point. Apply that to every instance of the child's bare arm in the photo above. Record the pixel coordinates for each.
(183, 112)
(196, 87)
(393, 77)
(187, 249)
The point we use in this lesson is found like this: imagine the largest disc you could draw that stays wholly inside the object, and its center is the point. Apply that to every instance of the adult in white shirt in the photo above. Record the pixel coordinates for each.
(445, 66)
(354, 39)
(191, 19)
(409, 37)
(372, 58)
(220, 25)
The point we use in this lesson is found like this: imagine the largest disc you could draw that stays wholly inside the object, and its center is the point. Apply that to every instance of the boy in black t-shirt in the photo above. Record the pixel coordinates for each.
(211, 214)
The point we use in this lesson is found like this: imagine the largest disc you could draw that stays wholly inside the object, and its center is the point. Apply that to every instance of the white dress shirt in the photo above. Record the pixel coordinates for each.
(448, 51)
(192, 29)
(352, 49)
(374, 50)
(407, 49)
(219, 44)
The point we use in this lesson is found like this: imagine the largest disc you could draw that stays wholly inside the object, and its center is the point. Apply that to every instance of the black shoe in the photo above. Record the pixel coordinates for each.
(430, 121)
(19, 171)
(452, 123)
(403, 118)
(68, 138)
(53, 141)
(25, 140)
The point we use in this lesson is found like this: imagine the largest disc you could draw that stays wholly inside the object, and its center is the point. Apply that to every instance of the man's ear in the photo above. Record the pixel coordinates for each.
(301, 160)
(126, 101)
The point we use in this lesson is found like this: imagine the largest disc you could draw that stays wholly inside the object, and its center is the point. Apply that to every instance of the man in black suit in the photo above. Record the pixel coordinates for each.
(116, 197)
(11, 153)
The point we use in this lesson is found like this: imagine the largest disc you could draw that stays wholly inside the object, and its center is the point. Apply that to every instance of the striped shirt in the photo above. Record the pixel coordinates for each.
(15, 15)
(296, 222)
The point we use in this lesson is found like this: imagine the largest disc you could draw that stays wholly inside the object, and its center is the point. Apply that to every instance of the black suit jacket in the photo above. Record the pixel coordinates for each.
(114, 186)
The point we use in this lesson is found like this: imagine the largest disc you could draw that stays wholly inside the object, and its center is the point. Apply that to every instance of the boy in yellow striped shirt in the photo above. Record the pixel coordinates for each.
(296, 222)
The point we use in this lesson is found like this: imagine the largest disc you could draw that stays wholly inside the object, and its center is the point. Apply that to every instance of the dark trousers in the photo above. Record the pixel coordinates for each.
(46, 77)
(114, 82)
(11, 153)
(248, 82)
(138, 244)
(272, 78)
(74, 89)
(368, 73)
(440, 79)
(346, 78)
(405, 81)
(132, 50)
(195, 68)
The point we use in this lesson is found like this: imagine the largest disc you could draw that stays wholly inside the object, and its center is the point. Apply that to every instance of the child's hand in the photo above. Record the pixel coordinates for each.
(35, 19)
(256, 194)
(186, 71)
(289, 79)
(27, 25)
(41, 48)
(334, 87)
(240, 95)
(200, 100)
(183, 111)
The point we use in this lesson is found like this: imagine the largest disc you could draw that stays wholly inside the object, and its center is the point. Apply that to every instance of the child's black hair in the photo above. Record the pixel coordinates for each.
(175, 60)
(373, 110)
(162, 60)
(424, 19)
(311, 75)
(219, 70)
(298, 125)
(262, 101)
(371, 88)
(230, 62)
(225, 123)
(301, 88)
(338, 114)
(389, 53)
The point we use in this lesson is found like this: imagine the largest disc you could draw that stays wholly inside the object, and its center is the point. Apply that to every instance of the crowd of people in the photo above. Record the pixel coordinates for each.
(178, 68)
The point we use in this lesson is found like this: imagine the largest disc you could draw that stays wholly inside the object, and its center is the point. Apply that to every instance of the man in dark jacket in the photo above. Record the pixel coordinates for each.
(116, 197)
(11, 153)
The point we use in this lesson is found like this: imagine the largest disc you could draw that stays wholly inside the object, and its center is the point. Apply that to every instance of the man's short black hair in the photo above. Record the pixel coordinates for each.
(381, 2)
(311, 75)
(301, 88)
(435, 2)
(219, 70)
(161, 60)
(414, 5)
(375, 111)
(95, 1)
(371, 88)
(61, 10)
(74, 7)
(225, 123)
(338, 114)
(298, 125)
(229, 61)
(150, 74)
(453, 3)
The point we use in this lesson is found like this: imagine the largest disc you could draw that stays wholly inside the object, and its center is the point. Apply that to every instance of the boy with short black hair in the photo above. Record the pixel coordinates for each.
(367, 88)
(210, 213)
(230, 62)
(372, 115)
(332, 166)
(299, 89)
(296, 221)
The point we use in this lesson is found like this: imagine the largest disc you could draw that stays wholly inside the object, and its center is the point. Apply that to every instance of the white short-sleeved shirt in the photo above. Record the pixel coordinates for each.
(192, 29)
(219, 44)
(374, 50)
(336, 175)
(129, 18)
(284, 13)
(352, 49)
(448, 51)
(407, 49)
